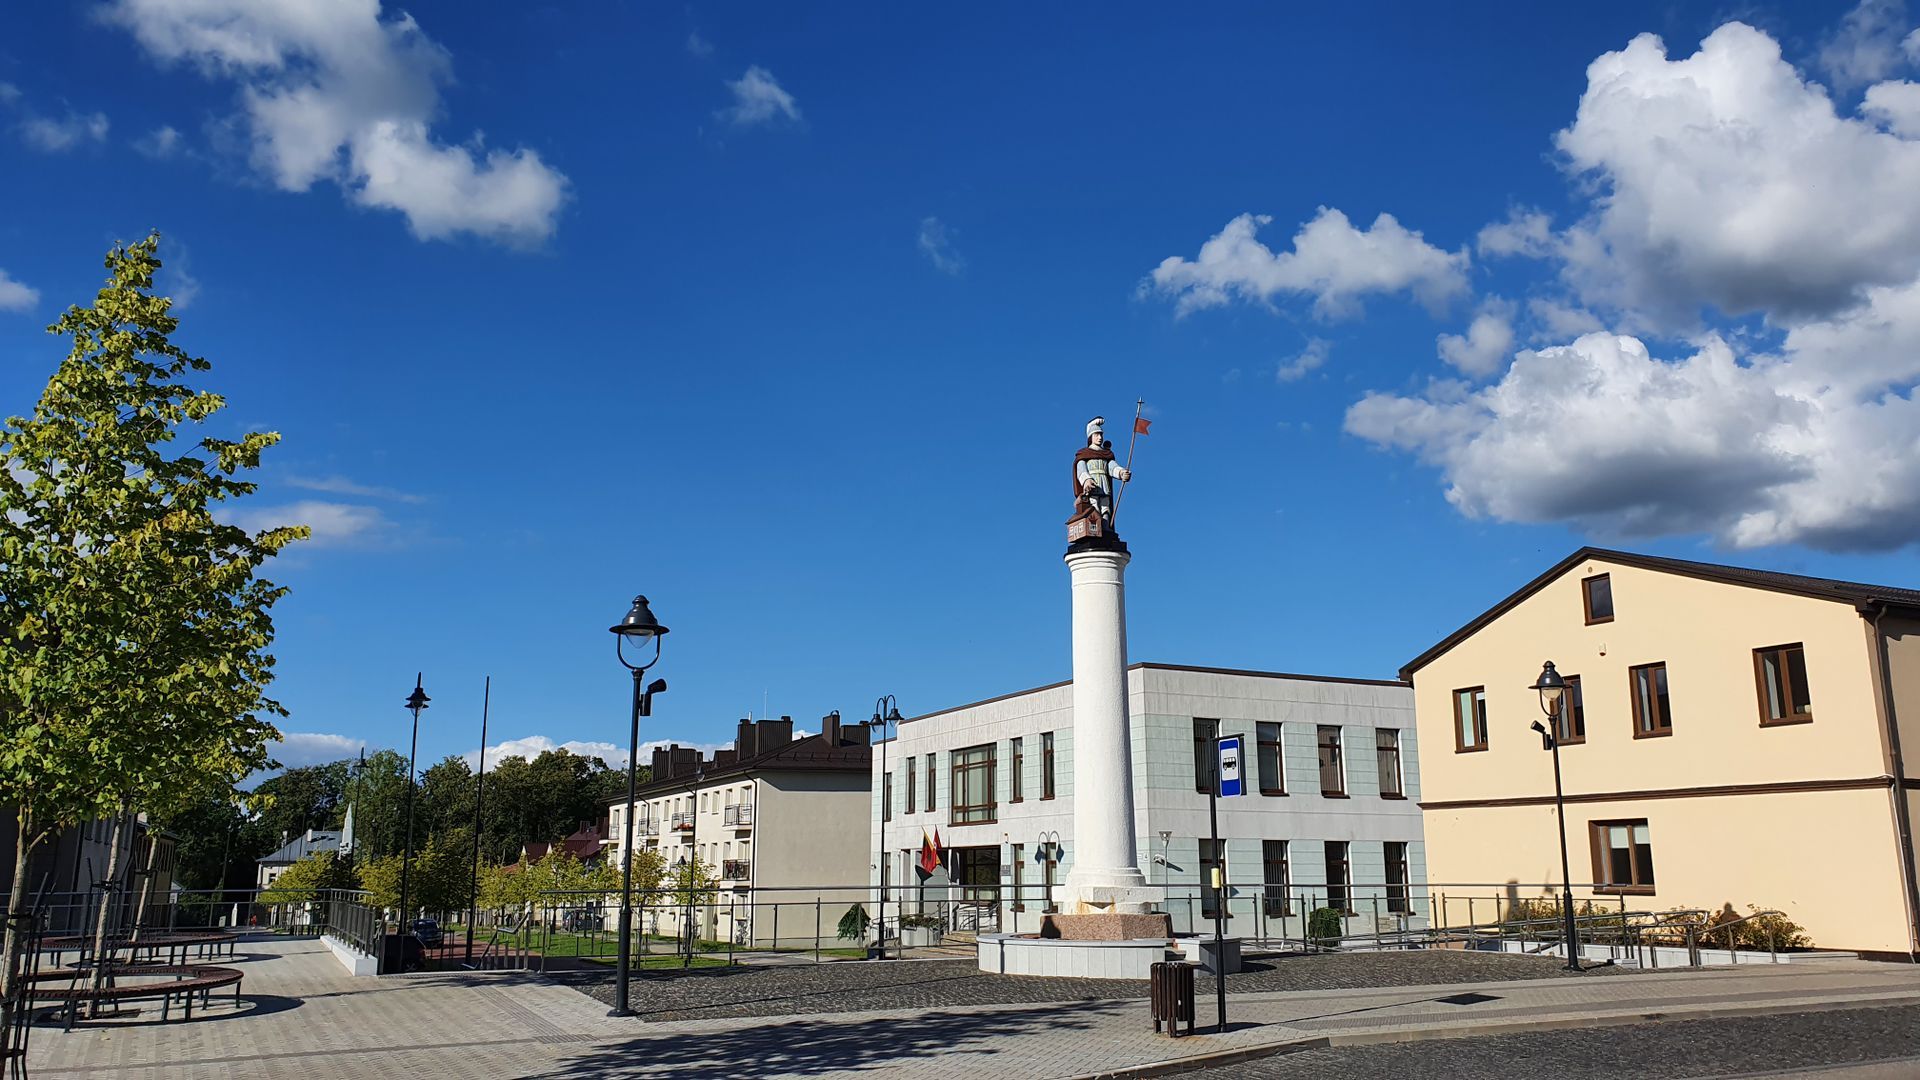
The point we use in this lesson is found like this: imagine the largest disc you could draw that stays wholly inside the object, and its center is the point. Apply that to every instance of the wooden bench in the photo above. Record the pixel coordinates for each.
(165, 983)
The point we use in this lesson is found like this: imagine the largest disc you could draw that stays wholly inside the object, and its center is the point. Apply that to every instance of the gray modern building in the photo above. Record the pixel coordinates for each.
(1331, 817)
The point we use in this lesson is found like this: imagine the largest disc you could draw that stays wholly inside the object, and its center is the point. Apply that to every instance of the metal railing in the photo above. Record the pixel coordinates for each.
(682, 819)
(735, 869)
(737, 815)
(349, 916)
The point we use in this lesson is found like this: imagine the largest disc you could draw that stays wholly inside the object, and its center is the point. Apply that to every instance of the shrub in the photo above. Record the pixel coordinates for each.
(853, 925)
(1324, 926)
(920, 922)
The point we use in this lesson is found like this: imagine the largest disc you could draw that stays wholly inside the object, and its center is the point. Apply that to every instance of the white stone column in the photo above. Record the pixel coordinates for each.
(1106, 874)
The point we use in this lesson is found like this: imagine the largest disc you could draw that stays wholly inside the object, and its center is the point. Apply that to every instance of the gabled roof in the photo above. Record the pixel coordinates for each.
(305, 844)
(1855, 593)
(809, 753)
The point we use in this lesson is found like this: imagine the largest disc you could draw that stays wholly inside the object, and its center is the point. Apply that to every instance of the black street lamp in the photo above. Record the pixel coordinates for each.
(415, 701)
(1553, 692)
(886, 711)
(479, 791)
(639, 627)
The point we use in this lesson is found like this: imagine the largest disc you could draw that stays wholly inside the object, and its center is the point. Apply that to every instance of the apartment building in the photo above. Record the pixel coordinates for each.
(64, 869)
(1731, 737)
(1331, 818)
(780, 820)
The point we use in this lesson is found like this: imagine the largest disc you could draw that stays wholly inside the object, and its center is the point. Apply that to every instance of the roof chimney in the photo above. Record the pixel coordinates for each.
(724, 759)
(661, 761)
(774, 734)
(744, 741)
(830, 729)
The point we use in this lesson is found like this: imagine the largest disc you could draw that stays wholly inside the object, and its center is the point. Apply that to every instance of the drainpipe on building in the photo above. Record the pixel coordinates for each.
(1903, 821)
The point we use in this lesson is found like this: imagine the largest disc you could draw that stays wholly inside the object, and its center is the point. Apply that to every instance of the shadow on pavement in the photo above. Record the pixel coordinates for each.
(810, 1047)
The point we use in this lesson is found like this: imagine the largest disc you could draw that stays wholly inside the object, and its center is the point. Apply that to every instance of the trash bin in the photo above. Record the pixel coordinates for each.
(1171, 990)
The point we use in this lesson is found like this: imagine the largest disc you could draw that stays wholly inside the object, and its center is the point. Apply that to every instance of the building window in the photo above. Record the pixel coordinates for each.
(1213, 856)
(1203, 753)
(1336, 851)
(1386, 750)
(1623, 856)
(886, 798)
(1396, 852)
(1046, 765)
(972, 770)
(930, 788)
(1273, 861)
(1019, 875)
(1597, 596)
(1781, 675)
(1652, 713)
(1333, 778)
(910, 792)
(1273, 777)
(1050, 862)
(1570, 726)
(1018, 755)
(1470, 719)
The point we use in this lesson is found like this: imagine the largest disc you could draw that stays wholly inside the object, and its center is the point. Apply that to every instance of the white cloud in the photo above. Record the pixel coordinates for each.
(759, 99)
(1896, 105)
(1331, 261)
(1525, 232)
(161, 142)
(1486, 343)
(9, 93)
(699, 46)
(340, 485)
(342, 94)
(58, 134)
(937, 245)
(1866, 46)
(296, 749)
(1727, 180)
(15, 295)
(1560, 321)
(1305, 362)
(333, 523)
(1912, 47)
(532, 746)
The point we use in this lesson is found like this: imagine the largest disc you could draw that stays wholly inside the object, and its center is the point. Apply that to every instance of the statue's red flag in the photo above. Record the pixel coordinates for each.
(1140, 425)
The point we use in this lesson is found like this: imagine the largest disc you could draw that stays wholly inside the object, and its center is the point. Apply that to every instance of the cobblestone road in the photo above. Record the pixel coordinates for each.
(1735, 1046)
(927, 984)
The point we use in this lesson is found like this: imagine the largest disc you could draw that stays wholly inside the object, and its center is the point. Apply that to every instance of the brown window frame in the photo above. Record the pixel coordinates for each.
(1019, 877)
(959, 813)
(1046, 765)
(1017, 764)
(1279, 756)
(1640, 729)
(1205, 753)
(1479, 720)
(932, 772)
(910, 792)
(1212, 899)
(886, 797)
(1586, 599)
(1602, 864)
(1379, 756)
(1339, 759)
(1345, 862)
(1399, 893)
(1573, 707)
(1276, 895)
(1786, 689)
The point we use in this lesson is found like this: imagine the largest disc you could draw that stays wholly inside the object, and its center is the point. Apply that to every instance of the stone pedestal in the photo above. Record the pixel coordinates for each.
(1106, 877)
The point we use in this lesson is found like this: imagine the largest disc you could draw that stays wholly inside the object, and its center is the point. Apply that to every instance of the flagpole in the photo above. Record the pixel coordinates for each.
(1139, 403)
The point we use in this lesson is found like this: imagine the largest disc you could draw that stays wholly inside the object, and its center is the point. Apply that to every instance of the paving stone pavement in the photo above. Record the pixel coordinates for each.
(304, 1017)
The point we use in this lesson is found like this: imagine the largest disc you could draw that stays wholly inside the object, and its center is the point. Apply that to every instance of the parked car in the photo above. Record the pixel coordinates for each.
(428, 931)
(581, 921)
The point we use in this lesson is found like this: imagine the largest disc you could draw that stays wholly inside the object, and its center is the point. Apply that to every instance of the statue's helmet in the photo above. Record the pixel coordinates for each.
(1096, 426)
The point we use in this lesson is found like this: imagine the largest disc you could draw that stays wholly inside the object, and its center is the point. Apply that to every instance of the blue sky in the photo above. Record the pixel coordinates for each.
(790, 318)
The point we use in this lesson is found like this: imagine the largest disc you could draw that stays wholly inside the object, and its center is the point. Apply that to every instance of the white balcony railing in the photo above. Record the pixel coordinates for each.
(738, 815)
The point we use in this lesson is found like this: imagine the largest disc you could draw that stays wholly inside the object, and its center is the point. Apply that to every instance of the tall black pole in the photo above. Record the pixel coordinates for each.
(620, 1007)
(1566, 873)
(479, 789)
(417, 702)
(1219, 890)
(693, 864)
(886, 807)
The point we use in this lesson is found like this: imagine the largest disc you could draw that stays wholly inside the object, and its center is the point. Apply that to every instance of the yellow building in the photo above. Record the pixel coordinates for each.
(1734, 737)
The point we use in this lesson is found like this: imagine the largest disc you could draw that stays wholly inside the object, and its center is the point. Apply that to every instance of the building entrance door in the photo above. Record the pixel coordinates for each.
(976, 874)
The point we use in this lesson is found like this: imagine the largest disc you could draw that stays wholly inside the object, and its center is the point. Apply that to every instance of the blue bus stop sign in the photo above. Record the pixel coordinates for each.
(1231, 781)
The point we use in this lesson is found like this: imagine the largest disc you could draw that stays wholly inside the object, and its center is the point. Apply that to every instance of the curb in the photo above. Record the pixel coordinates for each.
(1175, 1066)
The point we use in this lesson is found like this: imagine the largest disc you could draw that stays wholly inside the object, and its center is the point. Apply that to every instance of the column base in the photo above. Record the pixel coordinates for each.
(1118, 894)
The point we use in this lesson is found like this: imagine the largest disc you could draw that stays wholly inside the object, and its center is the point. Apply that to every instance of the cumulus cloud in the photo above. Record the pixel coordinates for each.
(698, 46)
(296, 749)
(56, 134)
(1331, 261)
(532, 746)
(936, 244)
(1525, 232)
(1895, 105)
(758, 98)
(344, 94)
(334, 524)
(1866, 46)
(1485, 345)
(1557, 320)
(336, 484)
(1308, 360)
(161, 142)
(15, 295)
(1720, 181)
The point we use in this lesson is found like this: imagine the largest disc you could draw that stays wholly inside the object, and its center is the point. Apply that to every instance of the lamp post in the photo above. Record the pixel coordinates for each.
(1553, 692)
(1047, 842)
(415, 702)
(693, 864)
(886, 712)
(479, 790)
(639, 627)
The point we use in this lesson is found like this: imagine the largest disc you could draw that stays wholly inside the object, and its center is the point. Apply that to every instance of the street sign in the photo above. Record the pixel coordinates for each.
(1231, 783)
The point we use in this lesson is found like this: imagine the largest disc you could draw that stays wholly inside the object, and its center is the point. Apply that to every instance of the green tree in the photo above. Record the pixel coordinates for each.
(446, 799)
(303, 880)
(377, 792)
(133, 625)
(302, 798)
(440, 879)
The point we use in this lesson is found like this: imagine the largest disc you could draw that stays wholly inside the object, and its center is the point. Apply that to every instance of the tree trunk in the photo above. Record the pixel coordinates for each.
(146, 884)
(99, 974)
(16, 942)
